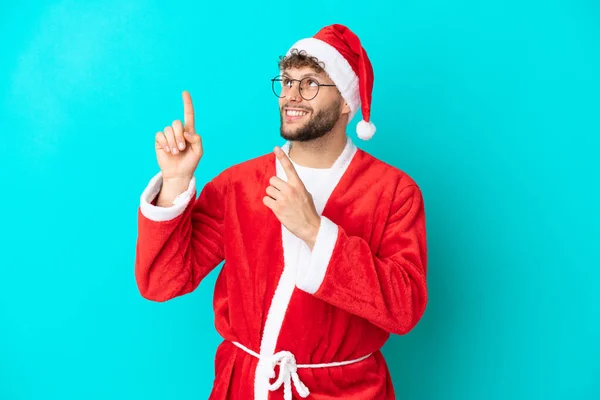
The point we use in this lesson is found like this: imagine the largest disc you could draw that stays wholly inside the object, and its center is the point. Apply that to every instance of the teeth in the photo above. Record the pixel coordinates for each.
(294, 113)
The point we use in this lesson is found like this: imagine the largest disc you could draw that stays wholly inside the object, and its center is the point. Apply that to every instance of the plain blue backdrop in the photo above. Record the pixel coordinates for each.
(492, 107)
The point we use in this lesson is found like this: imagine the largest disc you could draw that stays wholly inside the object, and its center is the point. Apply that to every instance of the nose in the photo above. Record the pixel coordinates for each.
(293, 93)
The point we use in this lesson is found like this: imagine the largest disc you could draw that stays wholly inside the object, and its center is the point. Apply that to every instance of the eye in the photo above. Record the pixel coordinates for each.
(286, 81)
(313, 83)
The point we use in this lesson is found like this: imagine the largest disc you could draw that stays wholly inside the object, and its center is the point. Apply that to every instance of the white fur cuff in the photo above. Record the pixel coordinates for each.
(160, 214)
(310, 279)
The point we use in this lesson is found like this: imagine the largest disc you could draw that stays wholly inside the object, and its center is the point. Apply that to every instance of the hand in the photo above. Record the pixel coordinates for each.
(178, 147)
(292, 204)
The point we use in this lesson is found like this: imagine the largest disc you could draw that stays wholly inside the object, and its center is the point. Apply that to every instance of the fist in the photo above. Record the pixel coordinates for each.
(178, 146)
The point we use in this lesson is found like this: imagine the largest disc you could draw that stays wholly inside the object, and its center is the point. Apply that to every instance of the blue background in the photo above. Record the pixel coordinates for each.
(492, 107)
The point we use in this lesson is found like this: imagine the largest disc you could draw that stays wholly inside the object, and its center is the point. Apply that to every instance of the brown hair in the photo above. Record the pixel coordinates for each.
(299, 59)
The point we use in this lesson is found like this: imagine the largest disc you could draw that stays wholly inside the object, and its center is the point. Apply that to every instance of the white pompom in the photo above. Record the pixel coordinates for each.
(365, 130)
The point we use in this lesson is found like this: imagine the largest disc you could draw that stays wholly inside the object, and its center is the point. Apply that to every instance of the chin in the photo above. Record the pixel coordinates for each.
(288, 135)
(290, 129)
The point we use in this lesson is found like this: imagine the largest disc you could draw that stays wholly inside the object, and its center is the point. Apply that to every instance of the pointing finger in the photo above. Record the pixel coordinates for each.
(287, 165)
(188, 112)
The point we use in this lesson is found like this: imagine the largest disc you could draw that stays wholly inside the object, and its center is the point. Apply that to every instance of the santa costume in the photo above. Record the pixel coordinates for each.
(298, 323)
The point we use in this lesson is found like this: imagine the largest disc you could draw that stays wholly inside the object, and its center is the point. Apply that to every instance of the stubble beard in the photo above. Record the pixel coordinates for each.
(316, 127)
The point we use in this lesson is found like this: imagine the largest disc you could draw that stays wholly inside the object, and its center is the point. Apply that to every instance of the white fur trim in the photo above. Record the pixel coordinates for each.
(337, 67)
(279, 304)
(365, 130)
(310, 278)
(160, 214)
(294, 257)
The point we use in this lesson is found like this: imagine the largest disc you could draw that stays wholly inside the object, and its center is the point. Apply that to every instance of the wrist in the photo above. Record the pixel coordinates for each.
(180, 183)
(312, 231)
(177, 179)
(171, 188)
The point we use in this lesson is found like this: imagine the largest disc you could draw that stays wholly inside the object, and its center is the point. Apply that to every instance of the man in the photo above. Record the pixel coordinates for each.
(324, 245)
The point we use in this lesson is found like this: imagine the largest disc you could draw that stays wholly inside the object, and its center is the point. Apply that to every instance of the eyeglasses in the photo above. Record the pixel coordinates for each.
(308, 86)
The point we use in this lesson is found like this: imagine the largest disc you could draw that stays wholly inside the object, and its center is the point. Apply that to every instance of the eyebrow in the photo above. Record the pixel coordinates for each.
(304, 75)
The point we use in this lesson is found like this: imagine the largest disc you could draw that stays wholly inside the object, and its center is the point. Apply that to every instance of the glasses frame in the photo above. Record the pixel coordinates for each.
(278, 79)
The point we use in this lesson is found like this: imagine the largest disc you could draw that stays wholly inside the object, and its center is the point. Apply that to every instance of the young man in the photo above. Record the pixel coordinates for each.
(324, 245)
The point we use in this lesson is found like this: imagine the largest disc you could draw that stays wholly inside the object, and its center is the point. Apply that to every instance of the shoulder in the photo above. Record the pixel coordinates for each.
(389, 175)
(393, 187)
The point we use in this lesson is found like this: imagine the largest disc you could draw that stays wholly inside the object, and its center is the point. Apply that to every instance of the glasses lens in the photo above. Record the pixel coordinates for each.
(277, 85)
(309, 88)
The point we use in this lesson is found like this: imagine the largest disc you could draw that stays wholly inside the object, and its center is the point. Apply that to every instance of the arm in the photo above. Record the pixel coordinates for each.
(178, 245)
(388, 288)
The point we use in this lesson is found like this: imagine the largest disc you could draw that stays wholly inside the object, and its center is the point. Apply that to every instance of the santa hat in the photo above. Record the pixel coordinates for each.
(348, 66)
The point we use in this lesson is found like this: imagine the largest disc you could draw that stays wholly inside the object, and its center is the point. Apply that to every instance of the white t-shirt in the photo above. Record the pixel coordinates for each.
(314, 179)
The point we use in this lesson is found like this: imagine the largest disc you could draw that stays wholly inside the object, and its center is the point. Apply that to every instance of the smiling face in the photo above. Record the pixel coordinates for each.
(305, 120)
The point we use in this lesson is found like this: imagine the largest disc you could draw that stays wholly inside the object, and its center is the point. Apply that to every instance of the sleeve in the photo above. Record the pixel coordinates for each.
(178, 246)
(388, 288)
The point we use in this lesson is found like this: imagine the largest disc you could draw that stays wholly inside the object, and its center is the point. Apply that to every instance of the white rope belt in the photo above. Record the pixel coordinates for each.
(288, 370)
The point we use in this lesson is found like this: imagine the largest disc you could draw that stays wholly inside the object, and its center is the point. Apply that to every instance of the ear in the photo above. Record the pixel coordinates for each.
(345, 108)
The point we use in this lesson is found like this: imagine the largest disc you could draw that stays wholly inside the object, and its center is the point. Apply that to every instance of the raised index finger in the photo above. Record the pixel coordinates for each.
(287, 165)
(188, 112)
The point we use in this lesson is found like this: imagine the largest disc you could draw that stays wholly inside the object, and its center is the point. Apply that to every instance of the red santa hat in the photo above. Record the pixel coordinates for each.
(348, 66)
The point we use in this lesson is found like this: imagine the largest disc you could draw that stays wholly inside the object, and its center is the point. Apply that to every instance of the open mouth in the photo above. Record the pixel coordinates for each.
(294, 115)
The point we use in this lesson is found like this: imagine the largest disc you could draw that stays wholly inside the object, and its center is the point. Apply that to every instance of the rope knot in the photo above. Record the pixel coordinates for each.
(288, 372)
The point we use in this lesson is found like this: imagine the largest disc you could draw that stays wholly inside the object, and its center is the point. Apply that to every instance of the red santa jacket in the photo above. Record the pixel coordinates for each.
(364, 279)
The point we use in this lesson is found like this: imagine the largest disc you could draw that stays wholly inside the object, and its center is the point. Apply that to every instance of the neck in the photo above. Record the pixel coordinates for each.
(321, 152)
